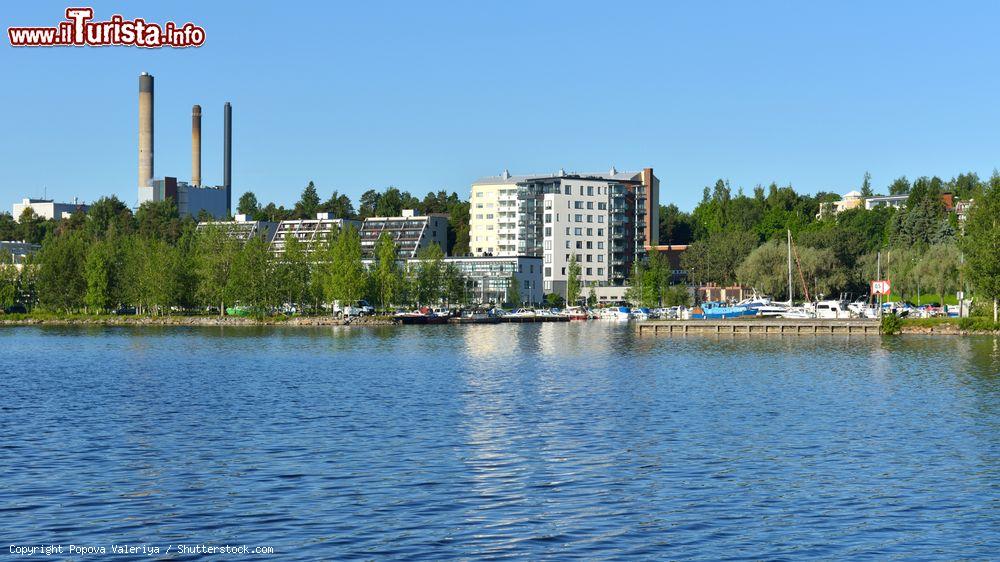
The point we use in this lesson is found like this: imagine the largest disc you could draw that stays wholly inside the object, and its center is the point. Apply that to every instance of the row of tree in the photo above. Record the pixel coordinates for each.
(209, 268)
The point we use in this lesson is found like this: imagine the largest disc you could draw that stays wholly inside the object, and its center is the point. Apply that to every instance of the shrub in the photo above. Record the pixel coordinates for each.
(891, 325)
(978, 324)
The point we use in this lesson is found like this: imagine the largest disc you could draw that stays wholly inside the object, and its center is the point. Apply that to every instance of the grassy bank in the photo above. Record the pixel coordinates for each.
(977, 324)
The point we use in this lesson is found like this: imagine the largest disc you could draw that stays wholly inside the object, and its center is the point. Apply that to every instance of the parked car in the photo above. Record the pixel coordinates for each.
(356, 308)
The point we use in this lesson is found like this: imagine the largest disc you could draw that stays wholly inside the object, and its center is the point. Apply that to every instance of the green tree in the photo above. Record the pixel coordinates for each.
(715, 258)
(513, 292)
(31, 227)
(251, 282)
(214, 254)
(248, 205)
(428, 282)
(938, 269)
(9, 278)
(339, 205)
(293, 273)
(386, 272)
(454, 285)
(573, 282)
(980, 243)
(866, 186)
(899, 186)
(592, 298)
(345, 278)
(101, 274)
(159, 219)
(308, 203)
(61, 283)
(109, 216)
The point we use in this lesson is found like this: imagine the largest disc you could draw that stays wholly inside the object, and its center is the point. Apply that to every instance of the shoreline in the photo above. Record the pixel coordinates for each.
(937, 329)
(200, 321)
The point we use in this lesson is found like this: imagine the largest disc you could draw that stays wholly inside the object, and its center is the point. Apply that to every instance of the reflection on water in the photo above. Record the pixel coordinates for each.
(531, 441)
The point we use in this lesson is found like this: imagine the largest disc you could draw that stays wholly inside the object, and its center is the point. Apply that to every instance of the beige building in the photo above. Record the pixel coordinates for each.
(493, 215)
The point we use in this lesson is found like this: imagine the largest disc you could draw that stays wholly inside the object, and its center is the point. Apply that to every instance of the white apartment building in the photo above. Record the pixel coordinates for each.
(411, 232)
(605, 220)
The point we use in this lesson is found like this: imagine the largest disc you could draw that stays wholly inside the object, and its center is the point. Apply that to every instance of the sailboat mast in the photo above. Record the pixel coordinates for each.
(790, 285)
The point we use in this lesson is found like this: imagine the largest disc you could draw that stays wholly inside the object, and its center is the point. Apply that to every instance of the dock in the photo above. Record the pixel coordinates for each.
(759, 327)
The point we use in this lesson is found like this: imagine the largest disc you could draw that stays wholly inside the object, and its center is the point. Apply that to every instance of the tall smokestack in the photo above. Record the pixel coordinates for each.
(145, 129)
(196, 146)
(227, 157)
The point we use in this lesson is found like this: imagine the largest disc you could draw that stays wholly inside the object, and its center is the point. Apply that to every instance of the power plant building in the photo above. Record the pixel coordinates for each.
(192, 199)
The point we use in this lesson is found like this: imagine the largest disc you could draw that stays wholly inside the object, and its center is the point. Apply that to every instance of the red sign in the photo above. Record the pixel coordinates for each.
(881, 287)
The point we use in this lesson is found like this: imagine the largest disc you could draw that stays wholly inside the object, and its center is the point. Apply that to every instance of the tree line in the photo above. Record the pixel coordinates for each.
(740, 238)
(157, 263)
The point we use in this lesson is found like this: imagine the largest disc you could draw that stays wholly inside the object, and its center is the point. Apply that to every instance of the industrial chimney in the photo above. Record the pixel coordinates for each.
(145, 129)
(196, 146)
(227, 157)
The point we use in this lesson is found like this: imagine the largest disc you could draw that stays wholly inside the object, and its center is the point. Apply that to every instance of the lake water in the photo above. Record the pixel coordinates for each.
(546, 441)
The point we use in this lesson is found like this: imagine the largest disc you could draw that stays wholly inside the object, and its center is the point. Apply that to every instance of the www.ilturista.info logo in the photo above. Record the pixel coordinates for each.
(78, 30)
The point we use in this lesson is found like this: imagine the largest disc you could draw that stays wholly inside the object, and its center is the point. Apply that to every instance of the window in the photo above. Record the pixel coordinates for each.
(590, 245)
(600, 258)
(564, 271)
(488, 227)
(567, 257)
(590, 190)
(548, 272)
(579, 245)
(602, 206)
(548, 258)
(581, 190)
(479, 194)
(548, 218)
(479, 217)
(548, 231)
(578, 204)
(600, 244)
(548, 244)
(489, 215)
(600, 219)
(590, 205)
(567, 244)
(579, 218)
(531, 268)
(567, 231)
(600, 232)
(520, 268)
(590, 271)
(578, 231)
(479, 205)
(590, 232)
(579, 258)
(590, 218)
(590, 258)
(527, 284)
(567, 190)
(600, 271)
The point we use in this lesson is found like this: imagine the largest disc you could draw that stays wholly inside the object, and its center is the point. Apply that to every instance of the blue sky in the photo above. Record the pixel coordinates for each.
(426, 95)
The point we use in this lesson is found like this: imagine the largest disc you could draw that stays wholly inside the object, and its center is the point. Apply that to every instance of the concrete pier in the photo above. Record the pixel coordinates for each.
(759, 327)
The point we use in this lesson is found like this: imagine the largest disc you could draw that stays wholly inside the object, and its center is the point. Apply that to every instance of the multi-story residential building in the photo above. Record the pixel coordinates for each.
(17, 253)
(310, 232)
(605, 220)
(493, 215)
(894, 201)
(46, 208)
(243, 228)
(410, 232)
